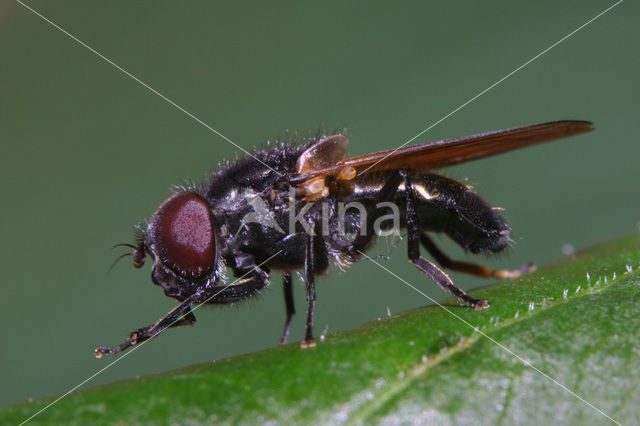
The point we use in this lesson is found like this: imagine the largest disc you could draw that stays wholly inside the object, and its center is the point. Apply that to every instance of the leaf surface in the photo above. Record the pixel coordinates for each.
(579, 334)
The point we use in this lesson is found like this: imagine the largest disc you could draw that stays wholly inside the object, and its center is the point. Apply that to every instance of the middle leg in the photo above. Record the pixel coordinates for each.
(289, 306)
(309, 278)
(316, 260)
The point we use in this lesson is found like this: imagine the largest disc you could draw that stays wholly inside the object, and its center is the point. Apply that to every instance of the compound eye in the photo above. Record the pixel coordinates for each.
(183, 234)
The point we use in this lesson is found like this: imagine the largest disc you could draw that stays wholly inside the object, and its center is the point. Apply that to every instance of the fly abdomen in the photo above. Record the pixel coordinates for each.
(442, 204)
(445, 205)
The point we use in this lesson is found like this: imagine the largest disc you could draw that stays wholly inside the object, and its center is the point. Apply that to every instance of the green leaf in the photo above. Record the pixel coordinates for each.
(428, 365)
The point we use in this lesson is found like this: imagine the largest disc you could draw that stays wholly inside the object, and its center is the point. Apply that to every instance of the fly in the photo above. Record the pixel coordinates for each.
(301, 208)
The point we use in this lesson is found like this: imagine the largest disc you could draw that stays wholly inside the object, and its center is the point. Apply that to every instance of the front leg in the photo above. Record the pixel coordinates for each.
(237, 291)
(252, 278)
(179, 316)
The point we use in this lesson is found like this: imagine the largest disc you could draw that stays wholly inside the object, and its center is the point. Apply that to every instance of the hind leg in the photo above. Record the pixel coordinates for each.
(471, 268)
(425, 266)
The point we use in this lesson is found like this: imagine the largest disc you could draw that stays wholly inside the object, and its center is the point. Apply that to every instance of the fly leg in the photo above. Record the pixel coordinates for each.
(315, 259)
(179, 316)
(240, 290)
(427, 267)
(309, 278)
(471, 268)
(251, 279)
(289, 306)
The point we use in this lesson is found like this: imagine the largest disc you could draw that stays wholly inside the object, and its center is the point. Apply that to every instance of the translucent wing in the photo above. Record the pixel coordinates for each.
(447, 152)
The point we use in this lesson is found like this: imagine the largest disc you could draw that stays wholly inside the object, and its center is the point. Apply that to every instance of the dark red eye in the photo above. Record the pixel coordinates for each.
(183, 234)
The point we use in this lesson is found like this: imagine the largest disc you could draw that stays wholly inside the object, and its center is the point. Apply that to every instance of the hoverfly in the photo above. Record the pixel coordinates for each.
(237, 220)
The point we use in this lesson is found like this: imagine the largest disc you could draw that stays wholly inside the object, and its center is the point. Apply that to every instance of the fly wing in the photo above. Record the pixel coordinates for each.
(447, 152)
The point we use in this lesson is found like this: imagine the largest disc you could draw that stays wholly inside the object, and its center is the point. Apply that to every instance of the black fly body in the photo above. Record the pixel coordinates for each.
(301, 208)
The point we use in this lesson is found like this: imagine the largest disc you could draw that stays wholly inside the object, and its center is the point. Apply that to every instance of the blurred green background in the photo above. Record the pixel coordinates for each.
(86, 152)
